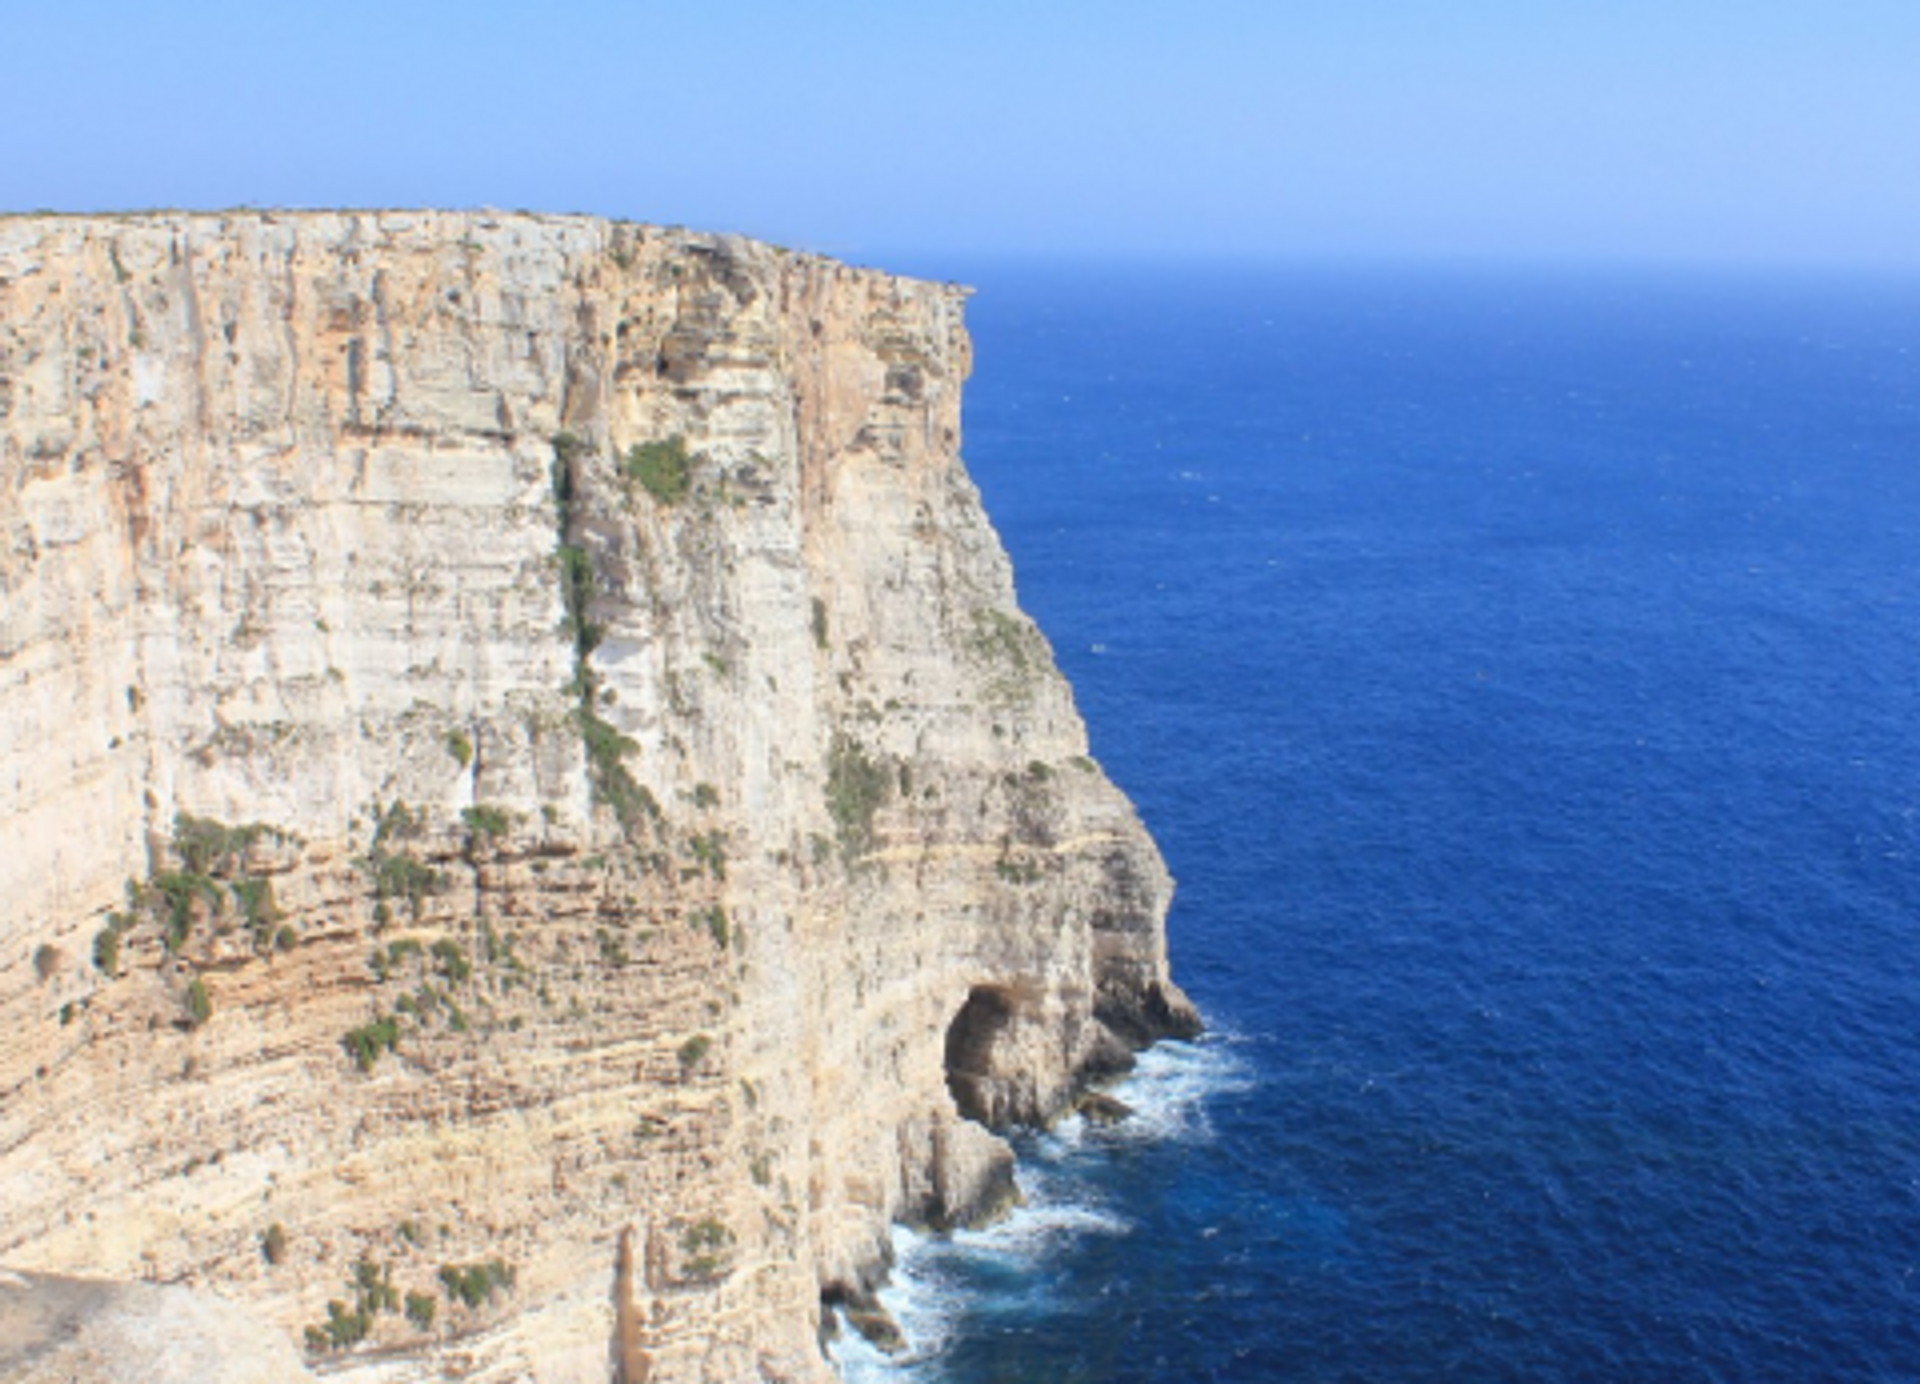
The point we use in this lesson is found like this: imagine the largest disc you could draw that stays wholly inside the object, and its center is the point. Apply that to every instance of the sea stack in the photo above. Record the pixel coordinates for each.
(535, 826)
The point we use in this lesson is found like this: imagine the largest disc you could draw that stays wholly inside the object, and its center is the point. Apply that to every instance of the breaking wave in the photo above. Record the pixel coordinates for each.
(1012, 1267)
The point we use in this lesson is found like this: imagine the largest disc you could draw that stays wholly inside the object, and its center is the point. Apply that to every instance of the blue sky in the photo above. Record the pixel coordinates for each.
(1697, 130)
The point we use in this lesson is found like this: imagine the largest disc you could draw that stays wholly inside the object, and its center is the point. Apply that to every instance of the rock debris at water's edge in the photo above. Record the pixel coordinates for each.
(537, 828)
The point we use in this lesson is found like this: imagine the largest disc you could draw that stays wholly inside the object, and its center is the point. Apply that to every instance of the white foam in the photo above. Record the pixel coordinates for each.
(921, 1305)
(1167, 1091)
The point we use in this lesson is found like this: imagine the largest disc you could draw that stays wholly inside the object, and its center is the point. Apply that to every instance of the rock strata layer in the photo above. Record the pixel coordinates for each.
(536, 827)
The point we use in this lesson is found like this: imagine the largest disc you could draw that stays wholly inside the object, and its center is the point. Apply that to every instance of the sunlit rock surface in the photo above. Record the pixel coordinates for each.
(516, 738)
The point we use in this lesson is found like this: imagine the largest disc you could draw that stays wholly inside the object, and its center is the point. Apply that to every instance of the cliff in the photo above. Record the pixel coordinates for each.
(532, 813)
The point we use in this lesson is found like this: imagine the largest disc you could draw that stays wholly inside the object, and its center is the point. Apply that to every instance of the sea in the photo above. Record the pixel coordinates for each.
(1520, 670)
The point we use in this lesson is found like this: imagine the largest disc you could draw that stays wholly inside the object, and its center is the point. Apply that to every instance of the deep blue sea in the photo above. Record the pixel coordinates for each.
(1521, 672)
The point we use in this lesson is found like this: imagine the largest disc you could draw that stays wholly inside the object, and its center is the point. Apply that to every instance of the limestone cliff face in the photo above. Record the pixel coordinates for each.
(526, 791)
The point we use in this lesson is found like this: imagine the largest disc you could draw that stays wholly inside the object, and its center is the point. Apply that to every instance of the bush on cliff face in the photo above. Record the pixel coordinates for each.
(694, 1051)
(396, 873)
(421, 1309)
(857, 784)
(485, 825)
(663, 468)
(106, 943)
(475, 1284)
(706, 1249)
(365, 1044)
(199, 1006)
(209, 847)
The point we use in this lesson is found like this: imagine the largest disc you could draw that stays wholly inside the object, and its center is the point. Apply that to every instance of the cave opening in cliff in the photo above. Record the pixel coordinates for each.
(970, 1039)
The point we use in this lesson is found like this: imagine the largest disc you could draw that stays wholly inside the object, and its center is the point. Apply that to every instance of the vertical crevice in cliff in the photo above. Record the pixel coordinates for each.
(606, 748)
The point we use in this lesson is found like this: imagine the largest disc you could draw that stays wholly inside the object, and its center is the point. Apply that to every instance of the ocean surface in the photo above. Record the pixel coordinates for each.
(1521, 672)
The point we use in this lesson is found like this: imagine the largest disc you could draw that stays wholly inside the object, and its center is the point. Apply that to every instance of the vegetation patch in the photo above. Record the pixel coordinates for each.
(857, 784)
(395, 871)
(714, 920)
(421, 1308)
(578, 586)
(485, 825)
(710, 852)
(694, 1051)
(212, 872)
(1013, 648)
(705, 1247)
(254, 894)
(474, 1285)
(398, 875)
(606, 748)
(106, 943)
(366, 1044)
(199, 1006)
(208, 847)
(663, 469)
(613, 950)
(452, 957)
(373, 1292)
(346, 1326)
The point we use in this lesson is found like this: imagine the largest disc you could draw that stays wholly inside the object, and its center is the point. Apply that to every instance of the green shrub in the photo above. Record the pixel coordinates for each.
(257, 905)
(486, 823)
(210, 847)
(373, 1287)
(708, 1234)
(343, 1328)
(710, 851)
(857, 784)
(612, 949)
(199, 1007)
(178, 890)
(475, 1284)
(453, 960)
(366, 1043)
(460, 748)
(694, 1051)
(397, 875)
(705, 1246)
(715, 921)
(420, 1310)
(578, 586)
(397, 822)
(663, 468)
(613, 783)
(106, 943)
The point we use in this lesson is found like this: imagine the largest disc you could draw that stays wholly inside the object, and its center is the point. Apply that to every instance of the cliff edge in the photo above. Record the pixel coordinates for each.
(536, 827)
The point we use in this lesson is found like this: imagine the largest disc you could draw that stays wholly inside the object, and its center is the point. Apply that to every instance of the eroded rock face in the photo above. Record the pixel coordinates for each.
(516, 738)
